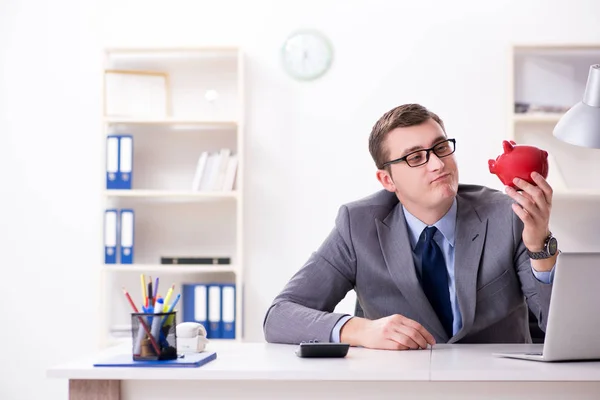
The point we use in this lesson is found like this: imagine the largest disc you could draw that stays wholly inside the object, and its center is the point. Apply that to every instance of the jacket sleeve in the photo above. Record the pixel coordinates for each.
(536, 292)
(303, 310)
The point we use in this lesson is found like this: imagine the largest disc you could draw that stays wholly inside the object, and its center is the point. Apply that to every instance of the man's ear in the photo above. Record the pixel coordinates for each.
(385, 178)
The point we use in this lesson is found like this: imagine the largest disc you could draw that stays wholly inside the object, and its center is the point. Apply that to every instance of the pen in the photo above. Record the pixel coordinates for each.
(168, 319)
(144, 298)
(150, 298)
(156, 323)
(156, 287)
(168, 297)
(172, 306)
(142, 322)
(129, 299)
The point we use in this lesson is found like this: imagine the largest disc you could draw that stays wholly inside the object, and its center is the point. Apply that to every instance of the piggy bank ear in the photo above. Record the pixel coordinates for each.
(508, 146)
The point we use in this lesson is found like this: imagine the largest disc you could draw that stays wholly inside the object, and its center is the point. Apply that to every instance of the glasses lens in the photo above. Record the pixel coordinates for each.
(444, 149)
(417, 158)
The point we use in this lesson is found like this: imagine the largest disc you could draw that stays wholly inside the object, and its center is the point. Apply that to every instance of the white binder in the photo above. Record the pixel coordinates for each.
(127, 236)
(110, 236)
(214, 312)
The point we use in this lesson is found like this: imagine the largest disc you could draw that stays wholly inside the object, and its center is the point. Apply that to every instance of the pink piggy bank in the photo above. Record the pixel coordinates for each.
(519, 161)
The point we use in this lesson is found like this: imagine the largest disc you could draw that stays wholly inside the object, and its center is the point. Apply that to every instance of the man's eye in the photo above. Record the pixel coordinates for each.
(415, 158)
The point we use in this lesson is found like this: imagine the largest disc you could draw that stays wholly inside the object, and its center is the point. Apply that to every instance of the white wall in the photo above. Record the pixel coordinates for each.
(306, 142)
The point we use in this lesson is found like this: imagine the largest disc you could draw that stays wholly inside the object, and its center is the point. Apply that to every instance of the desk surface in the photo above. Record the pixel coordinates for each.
(474, 362)
(275, 362)
(263, 361)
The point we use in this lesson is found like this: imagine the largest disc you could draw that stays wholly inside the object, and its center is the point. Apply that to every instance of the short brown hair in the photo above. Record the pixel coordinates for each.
(400, 117)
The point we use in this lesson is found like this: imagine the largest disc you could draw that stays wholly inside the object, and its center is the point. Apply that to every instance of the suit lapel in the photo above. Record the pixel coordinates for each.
(395, 245)
(470, 237)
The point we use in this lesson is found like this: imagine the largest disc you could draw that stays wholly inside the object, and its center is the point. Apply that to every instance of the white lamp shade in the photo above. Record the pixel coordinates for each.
(580, 125)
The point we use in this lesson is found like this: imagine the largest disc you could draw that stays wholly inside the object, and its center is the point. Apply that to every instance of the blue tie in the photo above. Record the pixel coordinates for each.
(434, 279)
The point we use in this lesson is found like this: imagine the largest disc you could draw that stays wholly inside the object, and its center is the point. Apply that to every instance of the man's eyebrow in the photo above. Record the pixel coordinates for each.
(415, 148)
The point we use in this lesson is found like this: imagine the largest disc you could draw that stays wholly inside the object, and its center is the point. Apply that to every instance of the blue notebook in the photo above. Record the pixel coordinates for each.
(188, 360)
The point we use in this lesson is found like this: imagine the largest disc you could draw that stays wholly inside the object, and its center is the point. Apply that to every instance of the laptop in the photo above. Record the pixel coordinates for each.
(573, 329)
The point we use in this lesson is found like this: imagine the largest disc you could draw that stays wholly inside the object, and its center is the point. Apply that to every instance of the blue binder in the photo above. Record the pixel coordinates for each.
(112, 162)
(214, 312)
(127, 224)
(195, 304)
(228, 311)
(110, 236)
(187, 360)
(125, 161)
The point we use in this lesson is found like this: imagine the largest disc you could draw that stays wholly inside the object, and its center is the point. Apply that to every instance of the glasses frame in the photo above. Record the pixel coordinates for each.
(428, 153)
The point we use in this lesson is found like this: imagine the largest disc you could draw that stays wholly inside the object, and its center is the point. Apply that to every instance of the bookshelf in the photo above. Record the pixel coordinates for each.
(545, 81)
(188, 101)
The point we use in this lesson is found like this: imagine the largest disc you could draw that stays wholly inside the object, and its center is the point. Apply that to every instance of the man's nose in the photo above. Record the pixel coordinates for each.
(434, 162)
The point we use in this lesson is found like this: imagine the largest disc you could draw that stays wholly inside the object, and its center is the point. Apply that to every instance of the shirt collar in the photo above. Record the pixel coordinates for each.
(446, 225)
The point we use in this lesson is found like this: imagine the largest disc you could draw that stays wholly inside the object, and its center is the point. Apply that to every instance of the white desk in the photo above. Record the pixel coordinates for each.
(260, 371)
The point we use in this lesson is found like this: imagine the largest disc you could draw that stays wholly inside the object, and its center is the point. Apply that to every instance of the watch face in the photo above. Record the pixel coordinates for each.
(552, 246)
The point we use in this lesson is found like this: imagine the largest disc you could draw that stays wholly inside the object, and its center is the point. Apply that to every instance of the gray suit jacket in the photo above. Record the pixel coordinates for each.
(369, 251)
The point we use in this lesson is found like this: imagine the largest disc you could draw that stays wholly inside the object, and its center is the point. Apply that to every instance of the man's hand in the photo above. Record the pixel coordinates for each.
(395, 332)
(533, 208)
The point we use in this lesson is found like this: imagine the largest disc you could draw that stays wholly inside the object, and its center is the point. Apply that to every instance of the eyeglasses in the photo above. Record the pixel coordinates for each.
(420, 157)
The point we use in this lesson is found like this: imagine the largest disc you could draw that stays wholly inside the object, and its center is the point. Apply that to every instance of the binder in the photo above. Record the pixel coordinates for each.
(228, 311)
(125, 161)
(208, 171)
(200, 167)
(110, 236)
(230, 173)
(187, 360)
(220, 170)
(112, 162)
(127, 236)
(195, 304)
(214, 312)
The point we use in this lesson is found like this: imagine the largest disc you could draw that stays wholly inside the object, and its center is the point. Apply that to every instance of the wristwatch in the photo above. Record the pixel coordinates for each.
(550, 249)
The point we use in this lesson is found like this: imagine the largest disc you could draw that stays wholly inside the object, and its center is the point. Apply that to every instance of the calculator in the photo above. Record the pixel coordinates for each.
(322, 350)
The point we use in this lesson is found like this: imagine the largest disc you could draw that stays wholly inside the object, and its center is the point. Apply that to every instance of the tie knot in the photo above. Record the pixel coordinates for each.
(429, 232)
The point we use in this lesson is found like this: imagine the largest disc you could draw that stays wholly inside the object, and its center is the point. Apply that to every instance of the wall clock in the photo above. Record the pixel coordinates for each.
(306, 55)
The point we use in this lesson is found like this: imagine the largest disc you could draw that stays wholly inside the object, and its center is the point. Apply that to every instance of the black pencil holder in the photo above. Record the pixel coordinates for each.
(154, 336)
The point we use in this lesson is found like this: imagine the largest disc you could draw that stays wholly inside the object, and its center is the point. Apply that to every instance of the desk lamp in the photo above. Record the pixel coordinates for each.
(580, 125)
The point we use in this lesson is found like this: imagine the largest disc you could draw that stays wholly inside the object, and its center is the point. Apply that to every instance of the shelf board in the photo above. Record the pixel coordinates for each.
(171, 268)
(181, 123)
(537, 117)
(173, 194)
(173, 52)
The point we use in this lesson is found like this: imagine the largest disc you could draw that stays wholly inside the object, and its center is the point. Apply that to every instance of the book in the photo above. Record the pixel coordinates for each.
(196, 260)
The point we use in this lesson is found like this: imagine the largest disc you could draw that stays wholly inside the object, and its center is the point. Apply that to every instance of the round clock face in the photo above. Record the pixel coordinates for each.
(307, 55)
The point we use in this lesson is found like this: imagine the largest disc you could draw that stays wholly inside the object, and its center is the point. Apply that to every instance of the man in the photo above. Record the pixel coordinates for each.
(431, 260)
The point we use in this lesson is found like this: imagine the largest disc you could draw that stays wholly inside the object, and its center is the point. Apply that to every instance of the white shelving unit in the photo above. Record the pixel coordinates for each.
(204, 111)
(162, 269)
(553, 77)
(172, 194)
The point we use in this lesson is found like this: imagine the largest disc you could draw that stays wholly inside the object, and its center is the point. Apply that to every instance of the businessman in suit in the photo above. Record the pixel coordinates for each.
(431, 260)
